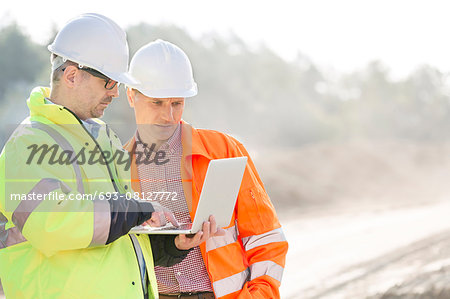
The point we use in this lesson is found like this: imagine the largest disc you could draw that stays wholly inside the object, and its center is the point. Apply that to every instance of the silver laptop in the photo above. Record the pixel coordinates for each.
(218, 197)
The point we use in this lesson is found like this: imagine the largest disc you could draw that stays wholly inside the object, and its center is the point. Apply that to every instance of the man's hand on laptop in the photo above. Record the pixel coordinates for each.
(209, 229)
(160, 215)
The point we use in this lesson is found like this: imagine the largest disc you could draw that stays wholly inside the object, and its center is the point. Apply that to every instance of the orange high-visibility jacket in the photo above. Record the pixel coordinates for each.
(247, 262)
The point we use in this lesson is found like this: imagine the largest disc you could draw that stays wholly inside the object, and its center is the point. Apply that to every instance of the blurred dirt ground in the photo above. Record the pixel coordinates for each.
(345, 192)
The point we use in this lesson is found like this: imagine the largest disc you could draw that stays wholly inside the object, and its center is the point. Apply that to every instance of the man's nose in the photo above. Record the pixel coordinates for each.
(114, 92)
(167, 113)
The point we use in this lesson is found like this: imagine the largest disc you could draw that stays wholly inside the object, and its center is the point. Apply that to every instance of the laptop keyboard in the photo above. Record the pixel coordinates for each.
(184, 226)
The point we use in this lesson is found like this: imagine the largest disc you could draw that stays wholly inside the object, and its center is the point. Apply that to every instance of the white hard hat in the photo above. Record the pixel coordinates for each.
(163, 71)
(97, 42)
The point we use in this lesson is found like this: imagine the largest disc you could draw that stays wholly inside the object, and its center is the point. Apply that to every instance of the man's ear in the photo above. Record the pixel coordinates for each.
(130, 97)
(69, 75)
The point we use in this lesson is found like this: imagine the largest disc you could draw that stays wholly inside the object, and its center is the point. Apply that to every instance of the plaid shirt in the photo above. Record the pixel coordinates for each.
(190, 275)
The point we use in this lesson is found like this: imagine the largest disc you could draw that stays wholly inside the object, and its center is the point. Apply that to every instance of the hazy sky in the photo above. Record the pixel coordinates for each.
(341, 34)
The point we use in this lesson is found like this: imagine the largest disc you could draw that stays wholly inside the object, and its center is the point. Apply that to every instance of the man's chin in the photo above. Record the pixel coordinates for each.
(98, 113)
(163, 137)
(163, 133)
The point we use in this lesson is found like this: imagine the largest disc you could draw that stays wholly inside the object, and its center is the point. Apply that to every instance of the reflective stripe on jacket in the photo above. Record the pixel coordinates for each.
(247, 262)
(53, 246)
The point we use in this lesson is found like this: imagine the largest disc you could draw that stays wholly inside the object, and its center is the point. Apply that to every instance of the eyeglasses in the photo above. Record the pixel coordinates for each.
(109, 83)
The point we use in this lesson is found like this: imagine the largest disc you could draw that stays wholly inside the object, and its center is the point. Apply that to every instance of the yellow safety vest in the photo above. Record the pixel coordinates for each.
(53, 247)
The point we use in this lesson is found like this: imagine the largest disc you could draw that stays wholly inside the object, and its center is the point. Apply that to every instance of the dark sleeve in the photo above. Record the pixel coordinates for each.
(164, 251)
(125, 214)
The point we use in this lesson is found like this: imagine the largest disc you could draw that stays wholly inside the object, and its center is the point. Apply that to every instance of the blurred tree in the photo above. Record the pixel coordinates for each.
(425, 106)
(21, 60)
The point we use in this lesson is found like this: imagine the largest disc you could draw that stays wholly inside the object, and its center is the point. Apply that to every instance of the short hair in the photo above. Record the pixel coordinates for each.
(56, 74)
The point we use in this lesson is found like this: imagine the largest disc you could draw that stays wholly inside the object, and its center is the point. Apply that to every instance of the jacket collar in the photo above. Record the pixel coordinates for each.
(51, 113)
(57, 114)
(192, 142)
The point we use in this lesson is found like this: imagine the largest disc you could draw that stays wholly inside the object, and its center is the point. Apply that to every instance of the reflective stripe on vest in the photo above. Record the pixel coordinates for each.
(65, 145)
(11, 236)
(102, 222)
(26, 207)
(220, 241)
(266, 268)
(273, 236)
(141, 262)
(231, 284)
(236, 282)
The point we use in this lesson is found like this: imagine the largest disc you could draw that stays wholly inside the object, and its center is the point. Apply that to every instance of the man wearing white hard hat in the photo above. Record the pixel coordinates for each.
(248, 260)
(66, 203)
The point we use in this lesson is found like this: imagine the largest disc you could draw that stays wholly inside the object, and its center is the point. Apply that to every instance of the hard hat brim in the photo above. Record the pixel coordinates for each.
(166, 93)
(124, 78)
